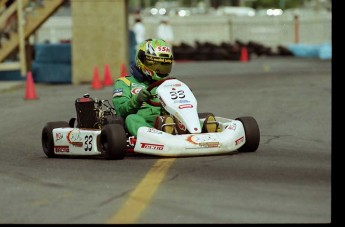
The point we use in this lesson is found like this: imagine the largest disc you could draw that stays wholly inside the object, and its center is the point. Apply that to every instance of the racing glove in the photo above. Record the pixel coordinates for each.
(143, 96)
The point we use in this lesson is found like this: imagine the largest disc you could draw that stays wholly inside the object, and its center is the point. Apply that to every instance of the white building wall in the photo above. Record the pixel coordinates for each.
(269, 31)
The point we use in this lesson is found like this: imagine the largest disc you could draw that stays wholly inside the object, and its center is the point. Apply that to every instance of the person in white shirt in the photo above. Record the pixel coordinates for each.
(139, 30)
(165, 31)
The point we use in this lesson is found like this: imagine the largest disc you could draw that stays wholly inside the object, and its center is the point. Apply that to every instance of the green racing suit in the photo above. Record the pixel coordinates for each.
(126, 104)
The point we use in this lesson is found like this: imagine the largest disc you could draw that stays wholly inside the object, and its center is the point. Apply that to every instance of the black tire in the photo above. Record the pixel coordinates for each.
(47, 137)
(115, 120)
(252, 133)
(113, 141)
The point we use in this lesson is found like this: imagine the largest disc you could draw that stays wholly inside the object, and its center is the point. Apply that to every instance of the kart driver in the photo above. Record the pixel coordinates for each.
(153, 62)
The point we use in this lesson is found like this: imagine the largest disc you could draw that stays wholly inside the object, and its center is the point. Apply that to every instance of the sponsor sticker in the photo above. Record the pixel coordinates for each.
(184, 106)
(152, 146)
(172, 85)
(209, 144)
(232, 127)
(136, 90)
(73, 137)
(181, 101)
(239, 140)
(58, 136)
(203, 140)
(61, 149)
(153, 130)
(117, 92)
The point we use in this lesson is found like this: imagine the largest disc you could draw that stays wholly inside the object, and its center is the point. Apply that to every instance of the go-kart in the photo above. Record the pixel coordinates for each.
(98, 130)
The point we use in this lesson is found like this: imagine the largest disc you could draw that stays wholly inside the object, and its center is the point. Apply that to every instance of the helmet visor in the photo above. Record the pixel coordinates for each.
(162, 66)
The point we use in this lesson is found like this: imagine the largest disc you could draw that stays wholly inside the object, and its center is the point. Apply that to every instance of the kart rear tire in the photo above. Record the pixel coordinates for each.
(113, 141)
(47, 137)
(252, 134)
(115, 120)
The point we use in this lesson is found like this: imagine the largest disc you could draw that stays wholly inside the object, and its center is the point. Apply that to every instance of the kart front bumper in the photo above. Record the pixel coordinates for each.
(154, 142)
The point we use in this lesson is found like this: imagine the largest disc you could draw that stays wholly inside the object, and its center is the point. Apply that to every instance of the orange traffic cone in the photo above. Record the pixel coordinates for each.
(244, 54)
(123, 71)
(96, 82)
(30, 92)
(108, 81)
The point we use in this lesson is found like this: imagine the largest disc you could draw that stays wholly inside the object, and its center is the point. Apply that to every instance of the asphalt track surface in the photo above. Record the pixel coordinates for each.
(287, 180)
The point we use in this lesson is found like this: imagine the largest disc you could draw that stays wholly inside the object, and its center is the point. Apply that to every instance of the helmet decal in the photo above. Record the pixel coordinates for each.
(148, 71)
(150, 49)
(163, 49)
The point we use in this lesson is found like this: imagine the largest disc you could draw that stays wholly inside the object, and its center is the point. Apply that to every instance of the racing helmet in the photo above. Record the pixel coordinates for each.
(154, 59)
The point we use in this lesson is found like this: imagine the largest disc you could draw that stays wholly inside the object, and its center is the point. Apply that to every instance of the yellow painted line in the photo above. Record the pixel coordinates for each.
(142, 194)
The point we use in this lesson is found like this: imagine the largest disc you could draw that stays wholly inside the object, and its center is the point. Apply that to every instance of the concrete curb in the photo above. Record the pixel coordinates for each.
(10, 85)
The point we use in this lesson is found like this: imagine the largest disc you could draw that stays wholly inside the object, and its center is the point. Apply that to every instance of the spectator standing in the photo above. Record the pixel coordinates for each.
(132, 46)
(139, 30)
(165, 31)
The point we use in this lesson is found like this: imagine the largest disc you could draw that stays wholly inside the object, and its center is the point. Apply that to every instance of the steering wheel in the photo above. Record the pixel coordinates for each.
(153, 85)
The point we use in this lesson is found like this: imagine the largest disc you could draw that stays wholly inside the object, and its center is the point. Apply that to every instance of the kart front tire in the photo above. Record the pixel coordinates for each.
(113, 141)
(252, 134)
(47, 137)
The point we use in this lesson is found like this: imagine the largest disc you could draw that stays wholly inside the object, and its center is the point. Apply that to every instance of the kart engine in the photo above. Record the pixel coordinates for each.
(94, 113)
